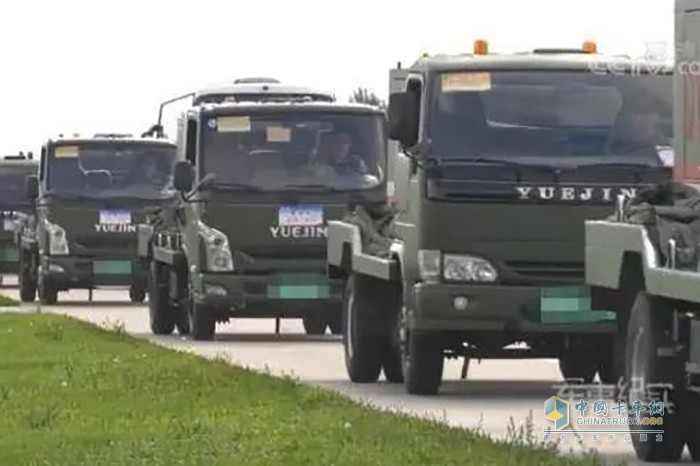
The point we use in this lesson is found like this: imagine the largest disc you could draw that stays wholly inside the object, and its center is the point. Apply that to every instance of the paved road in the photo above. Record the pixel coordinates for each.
(495, 392)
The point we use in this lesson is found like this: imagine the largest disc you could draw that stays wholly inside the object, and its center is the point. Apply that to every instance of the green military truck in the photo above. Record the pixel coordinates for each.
(14, 205)
(262, 167)
(647, 254)
(89, 195)
(495, 163)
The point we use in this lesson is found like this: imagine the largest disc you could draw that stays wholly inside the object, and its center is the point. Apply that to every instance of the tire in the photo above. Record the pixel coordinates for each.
(577, 364)
(647, 332)
(161, 312)
(422, 359)
(315, 324)
(137, 295)
(392, 368)
(48, 293)
(27, 281)
(361, 345)
(335, 322)
(202, 323)
(611, 368)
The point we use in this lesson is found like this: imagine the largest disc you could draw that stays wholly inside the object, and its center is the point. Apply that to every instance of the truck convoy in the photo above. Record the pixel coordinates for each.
(495, 162)
(14, 205)
(647, 255)
(262, 166)
(88, 196)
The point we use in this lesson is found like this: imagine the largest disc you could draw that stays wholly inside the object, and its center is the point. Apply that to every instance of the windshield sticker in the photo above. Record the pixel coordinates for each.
(278, 134)
(300, 222)
(469, 82)
(233, 124)
(66, 152)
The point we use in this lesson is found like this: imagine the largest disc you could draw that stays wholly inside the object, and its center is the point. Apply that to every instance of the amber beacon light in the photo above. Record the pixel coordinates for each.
(481, 47)
(590, 47)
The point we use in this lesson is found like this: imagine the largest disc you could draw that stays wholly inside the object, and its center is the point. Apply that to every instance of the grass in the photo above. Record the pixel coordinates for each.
(7, 302)
(72, 393)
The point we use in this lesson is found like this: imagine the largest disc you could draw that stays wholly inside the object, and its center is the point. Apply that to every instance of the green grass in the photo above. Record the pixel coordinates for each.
(71, 393)
(7, 302)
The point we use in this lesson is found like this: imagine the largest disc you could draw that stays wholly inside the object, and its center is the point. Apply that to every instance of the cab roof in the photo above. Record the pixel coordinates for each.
(287, 106)
(112, 137)
(542, 59)
(259, 89)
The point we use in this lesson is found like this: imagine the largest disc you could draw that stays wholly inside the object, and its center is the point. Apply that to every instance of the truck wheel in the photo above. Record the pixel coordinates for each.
(647, 332)
(362, 347)
(315, 324)
(578, 364)
(27, 282)
(48, 293)
(422, 359)
(335, 321)
(392, 367)
(202, 322)
(137, 295)
(159, 308)
(611, 368)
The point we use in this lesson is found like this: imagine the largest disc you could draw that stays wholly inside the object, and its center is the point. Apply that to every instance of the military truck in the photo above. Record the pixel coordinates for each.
(495, 163)
(89, 195)
(261, 167)
(647, 254)
(14, 204)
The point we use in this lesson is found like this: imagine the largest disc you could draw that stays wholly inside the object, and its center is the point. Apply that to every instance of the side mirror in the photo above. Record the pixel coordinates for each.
(403, 115)
(183, 177)
(32, 186)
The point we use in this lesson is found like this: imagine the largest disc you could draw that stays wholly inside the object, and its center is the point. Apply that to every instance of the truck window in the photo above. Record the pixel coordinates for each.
(13, 185)
(111, 169)
(294, 150)
(552, 117)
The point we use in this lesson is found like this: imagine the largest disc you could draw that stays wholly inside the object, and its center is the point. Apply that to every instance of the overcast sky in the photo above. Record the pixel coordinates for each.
(83, 67)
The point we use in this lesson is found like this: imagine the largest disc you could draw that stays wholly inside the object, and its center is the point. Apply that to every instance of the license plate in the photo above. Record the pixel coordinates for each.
(297, 292)
(299, 286)
(300, 215)
(111, 267)
(565, 298)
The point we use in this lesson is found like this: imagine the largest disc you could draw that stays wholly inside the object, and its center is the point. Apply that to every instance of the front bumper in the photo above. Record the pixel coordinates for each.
(275, 295)
(70, 272)
(515, 309)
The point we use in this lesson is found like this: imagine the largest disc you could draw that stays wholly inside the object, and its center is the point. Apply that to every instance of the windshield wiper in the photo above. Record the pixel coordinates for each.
(319, 186)
(490, 161)
(619, 165)
(244, 186)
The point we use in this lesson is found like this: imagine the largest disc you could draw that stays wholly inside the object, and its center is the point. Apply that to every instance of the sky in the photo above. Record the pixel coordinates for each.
(83, 67)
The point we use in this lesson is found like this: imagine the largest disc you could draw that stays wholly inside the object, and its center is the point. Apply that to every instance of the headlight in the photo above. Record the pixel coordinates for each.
(58, 243)
(468, 269)
(219, 258)
(429, 264)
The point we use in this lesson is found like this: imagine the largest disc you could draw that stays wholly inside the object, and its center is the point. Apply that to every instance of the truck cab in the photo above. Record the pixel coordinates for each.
(496, 160)
(14, 205)
(259, 180)
(88, 196)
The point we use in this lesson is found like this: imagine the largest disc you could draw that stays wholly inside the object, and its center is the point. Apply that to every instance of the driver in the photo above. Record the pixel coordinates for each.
(339, 157)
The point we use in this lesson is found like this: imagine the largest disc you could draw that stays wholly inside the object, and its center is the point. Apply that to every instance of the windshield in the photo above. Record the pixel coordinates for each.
(111, 169)
(552, 117)
(295, 150)
(13, 182)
